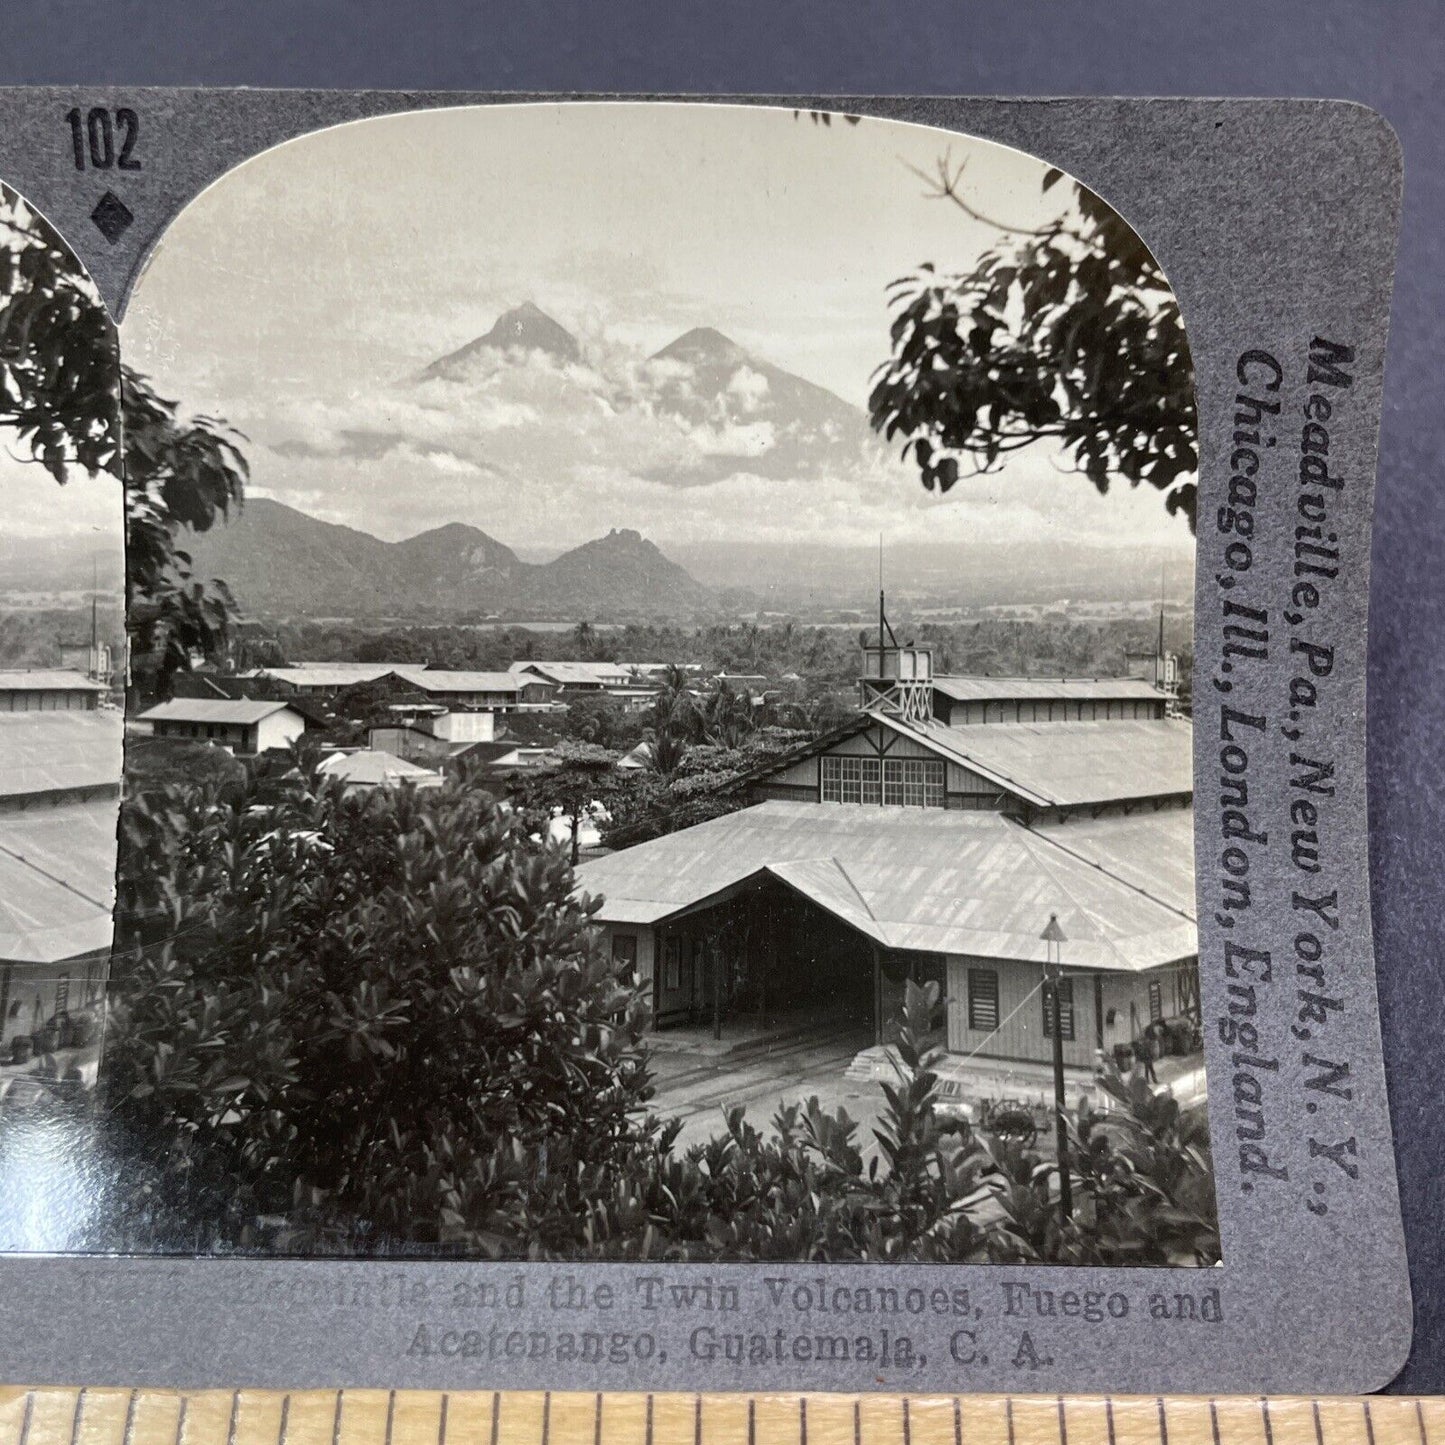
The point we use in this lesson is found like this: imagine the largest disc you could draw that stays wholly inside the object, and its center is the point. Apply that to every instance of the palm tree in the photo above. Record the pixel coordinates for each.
(673, 709)
(666, 753)
(728, 716)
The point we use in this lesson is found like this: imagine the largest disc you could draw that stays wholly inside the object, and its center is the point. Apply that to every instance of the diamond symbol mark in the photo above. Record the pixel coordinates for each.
(112, 217)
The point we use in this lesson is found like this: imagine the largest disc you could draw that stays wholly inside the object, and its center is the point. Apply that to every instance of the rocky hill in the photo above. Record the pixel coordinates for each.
(280, 562)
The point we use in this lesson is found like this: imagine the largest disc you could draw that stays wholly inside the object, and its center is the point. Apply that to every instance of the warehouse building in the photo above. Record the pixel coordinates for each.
(49, 689)
(245, 726)
(59, 797)
(905, 846)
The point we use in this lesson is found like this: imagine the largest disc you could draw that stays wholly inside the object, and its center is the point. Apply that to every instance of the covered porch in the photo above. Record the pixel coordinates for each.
(762, 958)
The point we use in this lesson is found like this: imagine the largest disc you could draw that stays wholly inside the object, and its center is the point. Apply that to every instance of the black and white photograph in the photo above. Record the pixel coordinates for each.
(653, 646)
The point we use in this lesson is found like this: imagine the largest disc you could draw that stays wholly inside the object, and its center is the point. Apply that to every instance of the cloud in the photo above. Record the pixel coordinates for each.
(749, 387)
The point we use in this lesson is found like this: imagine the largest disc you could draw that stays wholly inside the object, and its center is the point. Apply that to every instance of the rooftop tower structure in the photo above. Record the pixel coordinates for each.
(896, 678)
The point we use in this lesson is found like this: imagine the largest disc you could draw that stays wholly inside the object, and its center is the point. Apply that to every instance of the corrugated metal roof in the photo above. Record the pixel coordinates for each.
(436, 679)
(57, 881)
(47, 679)
(1047, 689)
(1152, 851)
(330, 674)
(1071, 764)
(572, 674)
(41, 752)
(424, 679)
(239, 712)
(369, 766)
(1056, 764)
(910, 878)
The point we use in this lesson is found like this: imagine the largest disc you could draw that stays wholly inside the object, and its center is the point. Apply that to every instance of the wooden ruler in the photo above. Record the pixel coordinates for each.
(70, 1416)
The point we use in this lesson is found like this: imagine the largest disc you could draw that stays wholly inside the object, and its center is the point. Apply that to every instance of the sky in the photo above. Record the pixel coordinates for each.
(301, 295)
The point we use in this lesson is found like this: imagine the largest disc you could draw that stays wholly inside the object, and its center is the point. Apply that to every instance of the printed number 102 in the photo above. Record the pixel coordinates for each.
(94, 135)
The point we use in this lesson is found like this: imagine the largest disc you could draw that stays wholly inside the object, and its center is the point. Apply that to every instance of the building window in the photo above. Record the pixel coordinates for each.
(899, 782)
(1065, 991)
(852, 780)
(672, 976)
(983, 999)
(1156, 1001)
(624, 954)
(913, 782)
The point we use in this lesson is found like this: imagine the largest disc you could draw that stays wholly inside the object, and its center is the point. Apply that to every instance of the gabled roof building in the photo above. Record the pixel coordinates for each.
(244, 725)
(904, 845)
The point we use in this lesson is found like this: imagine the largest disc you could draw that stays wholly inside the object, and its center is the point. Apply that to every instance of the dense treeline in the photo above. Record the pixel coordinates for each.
(1049, 646)
(32, 638)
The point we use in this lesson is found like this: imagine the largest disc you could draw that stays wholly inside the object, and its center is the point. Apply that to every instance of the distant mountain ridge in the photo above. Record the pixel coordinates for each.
(281, 562)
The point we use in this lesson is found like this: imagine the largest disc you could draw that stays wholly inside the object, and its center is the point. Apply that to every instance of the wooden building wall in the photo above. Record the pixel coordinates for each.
(802, 782)
(1121, 1000)
(31, 994)
(1033, 710)
(48, 699)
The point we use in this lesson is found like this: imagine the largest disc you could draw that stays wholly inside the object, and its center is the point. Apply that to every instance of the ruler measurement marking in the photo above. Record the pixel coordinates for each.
(84, 1414)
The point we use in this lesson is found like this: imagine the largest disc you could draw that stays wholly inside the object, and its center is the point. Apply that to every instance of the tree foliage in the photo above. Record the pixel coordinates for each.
(337, 1009)
(72, 405)
(578, 782)
(1066, 334)
(688, 784)
(259, 1101)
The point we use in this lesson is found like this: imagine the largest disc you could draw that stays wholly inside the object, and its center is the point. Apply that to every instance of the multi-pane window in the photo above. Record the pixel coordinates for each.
(672, 975)
(913, 782)
(851, 780)
(900, 782)
(983, 999)
(1065, 990)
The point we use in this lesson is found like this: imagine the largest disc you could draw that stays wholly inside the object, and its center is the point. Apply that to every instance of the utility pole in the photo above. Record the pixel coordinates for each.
(1054, 939)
